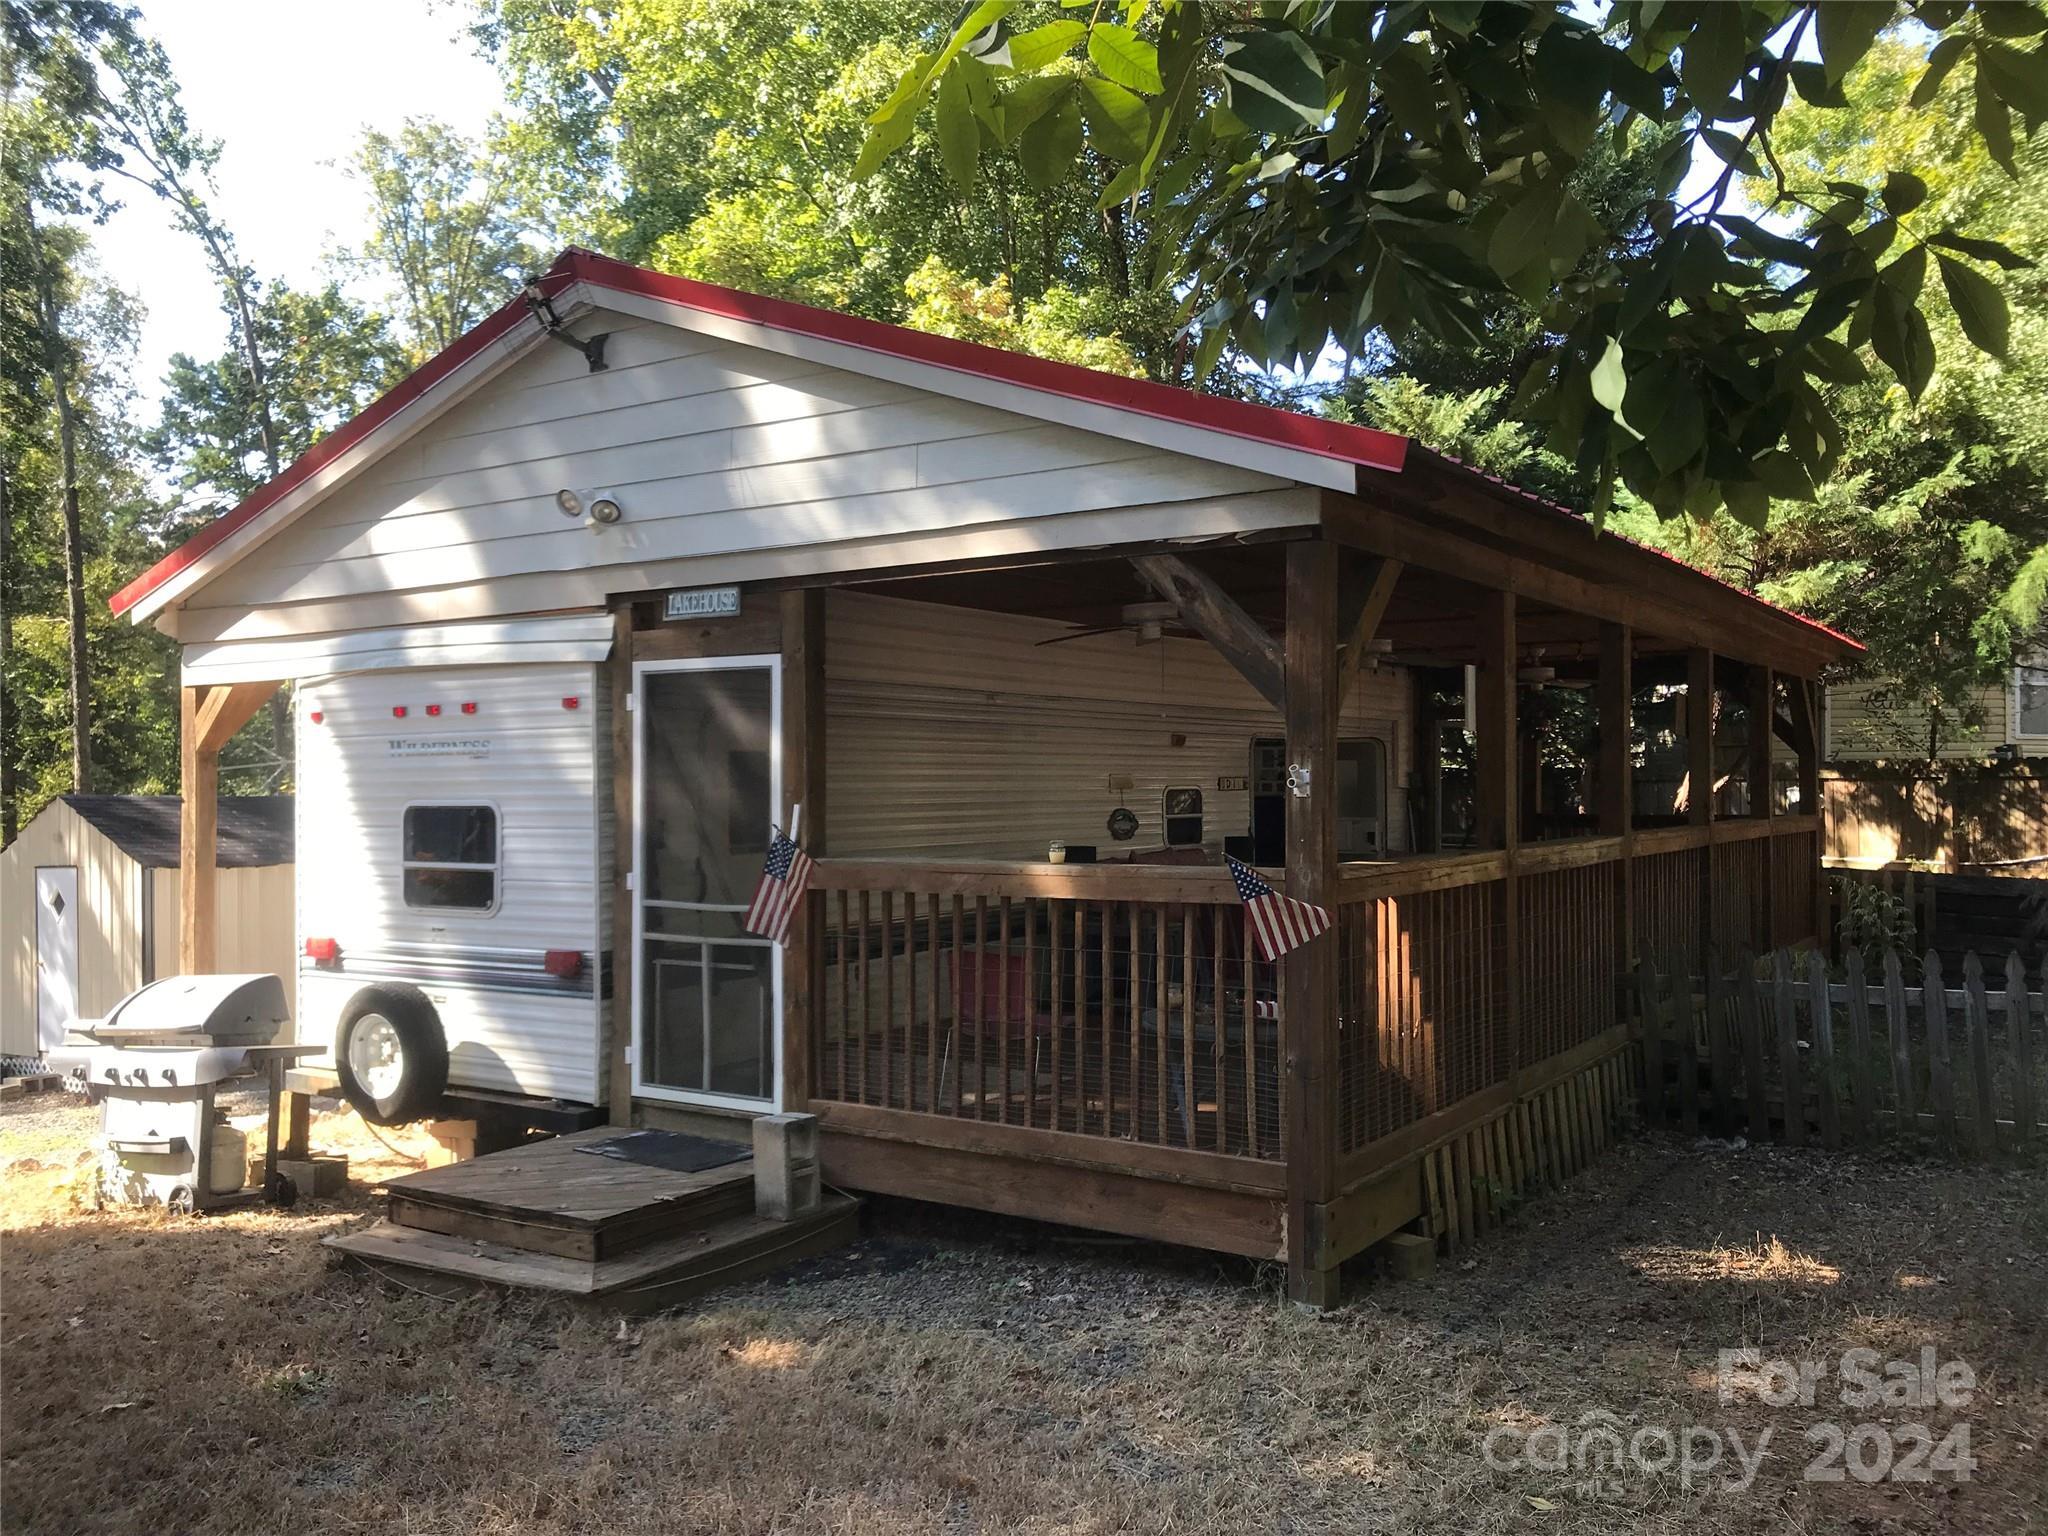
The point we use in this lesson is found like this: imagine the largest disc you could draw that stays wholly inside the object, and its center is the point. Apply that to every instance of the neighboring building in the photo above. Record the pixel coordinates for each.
(89, 893)
(1980, 804)
(2013, 724)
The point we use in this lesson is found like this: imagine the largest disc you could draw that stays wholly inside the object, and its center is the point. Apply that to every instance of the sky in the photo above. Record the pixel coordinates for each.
(288, 86)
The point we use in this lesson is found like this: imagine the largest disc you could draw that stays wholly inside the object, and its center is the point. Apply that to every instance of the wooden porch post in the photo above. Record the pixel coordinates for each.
(1699, 778)
(803, 771)
(1617, 771)
(1495, 802)
(1761, 702)
(207, 718)
(1309, 973)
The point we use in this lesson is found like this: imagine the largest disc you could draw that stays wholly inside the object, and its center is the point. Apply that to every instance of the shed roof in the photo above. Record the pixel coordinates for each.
(255, 830)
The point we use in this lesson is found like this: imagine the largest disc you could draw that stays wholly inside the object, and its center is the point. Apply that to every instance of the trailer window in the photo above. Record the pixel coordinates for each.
(451, 857)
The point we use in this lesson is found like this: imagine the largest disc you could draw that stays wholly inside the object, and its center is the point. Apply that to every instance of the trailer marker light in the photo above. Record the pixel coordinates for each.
(316, 717)
(323, 951)
(398, 711)
(433, 709)
(565, 963)
(572, 702)
(469, 708)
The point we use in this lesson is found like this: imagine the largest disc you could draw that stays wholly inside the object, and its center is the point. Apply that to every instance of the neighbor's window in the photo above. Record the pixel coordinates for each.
(2030, 696)
(451, 857)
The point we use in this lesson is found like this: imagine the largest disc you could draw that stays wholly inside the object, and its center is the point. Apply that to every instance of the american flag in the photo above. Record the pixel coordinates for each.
(784, 875)
(1278, 923)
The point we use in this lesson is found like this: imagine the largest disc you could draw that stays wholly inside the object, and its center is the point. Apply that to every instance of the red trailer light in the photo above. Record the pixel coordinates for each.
(572, 702)
(469, 708)
(565, 963)
(316, 717)
(433, 709)
(398, 711)
(323, 951)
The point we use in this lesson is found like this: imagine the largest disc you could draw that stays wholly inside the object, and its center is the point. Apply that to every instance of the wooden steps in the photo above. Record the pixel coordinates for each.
(548, 1216)
(646, 1279)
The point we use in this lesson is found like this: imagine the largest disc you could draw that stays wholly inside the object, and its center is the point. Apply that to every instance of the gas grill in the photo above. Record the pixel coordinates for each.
(155, 1064)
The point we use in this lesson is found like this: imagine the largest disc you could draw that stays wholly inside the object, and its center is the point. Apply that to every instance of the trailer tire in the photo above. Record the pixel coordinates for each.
(391, 1055)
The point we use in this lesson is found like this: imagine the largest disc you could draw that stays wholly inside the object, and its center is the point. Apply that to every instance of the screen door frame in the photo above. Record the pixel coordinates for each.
(642, 670)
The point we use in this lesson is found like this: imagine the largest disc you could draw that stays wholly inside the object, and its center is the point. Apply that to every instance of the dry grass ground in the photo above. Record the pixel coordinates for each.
(955, 1373)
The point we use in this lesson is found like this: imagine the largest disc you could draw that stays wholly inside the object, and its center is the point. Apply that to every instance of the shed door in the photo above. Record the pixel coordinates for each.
(56, 954)
(707, 995)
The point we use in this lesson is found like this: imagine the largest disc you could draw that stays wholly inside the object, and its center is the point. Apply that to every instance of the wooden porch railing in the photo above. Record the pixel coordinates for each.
(1119, 1003)
(1105, 1001)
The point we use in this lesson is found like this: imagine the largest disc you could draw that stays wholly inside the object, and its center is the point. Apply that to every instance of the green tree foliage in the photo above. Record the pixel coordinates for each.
(444, 233)
(719, 140)
(326, 358)
(1319, 172)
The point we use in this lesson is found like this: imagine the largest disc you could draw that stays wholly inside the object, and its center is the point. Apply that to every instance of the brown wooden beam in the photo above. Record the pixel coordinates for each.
(803, 768)
(1617, 729)
(1762, 709)
(1308, 974)
(1699, 736)
(1215, 615)
(207, 717)
(1389, 526)
(1362, 597)
(1495, 800)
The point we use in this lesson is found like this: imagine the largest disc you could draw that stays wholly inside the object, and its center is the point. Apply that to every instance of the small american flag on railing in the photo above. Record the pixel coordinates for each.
(1278, 923)
(784, 875)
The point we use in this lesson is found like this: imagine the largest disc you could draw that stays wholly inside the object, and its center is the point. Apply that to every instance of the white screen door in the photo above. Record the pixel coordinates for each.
(56, 954)
(707, 777)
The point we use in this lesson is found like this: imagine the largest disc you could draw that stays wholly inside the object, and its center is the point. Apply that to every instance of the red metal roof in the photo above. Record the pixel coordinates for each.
(1341, 441)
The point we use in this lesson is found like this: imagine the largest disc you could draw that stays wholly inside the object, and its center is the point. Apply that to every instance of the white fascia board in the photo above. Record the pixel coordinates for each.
(416, 415)
(554, 637)
(955, 384)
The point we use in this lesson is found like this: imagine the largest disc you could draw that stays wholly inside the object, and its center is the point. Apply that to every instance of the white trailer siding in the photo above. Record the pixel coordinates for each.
(716, 451)
(510, 1026)
(952, 732)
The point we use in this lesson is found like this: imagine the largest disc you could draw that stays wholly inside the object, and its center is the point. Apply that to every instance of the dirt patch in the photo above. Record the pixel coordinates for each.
(956, 1373)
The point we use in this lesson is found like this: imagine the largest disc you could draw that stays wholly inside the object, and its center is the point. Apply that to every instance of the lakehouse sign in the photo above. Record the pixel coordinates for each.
(702, 603)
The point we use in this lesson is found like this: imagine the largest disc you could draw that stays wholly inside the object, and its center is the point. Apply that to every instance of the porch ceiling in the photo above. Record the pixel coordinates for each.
(1432, 619)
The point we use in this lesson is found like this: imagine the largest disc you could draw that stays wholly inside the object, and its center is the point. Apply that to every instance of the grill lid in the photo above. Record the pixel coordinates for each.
(228, 1010)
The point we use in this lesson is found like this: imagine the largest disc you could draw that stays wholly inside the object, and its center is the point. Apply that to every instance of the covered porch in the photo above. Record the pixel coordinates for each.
(1092, 1042)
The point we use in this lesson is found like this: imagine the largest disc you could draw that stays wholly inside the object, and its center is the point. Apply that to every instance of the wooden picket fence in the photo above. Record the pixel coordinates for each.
(1778, 1048)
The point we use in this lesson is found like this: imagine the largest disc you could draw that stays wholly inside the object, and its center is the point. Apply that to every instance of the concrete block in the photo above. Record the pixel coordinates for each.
(786, 1177)
(318, 1178)
(1407, 1256)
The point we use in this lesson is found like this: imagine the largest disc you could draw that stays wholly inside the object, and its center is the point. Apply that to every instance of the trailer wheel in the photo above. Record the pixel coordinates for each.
(391, 1055)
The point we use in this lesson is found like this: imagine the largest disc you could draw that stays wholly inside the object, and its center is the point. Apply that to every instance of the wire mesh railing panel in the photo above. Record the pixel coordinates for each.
(1569, 942)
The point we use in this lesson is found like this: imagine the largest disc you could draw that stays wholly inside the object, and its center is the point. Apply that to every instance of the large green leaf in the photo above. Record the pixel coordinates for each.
(1845, 29)
(2021, 79)
(1899, 334)
(1978, 305)
(1984, 250)
(1274, 80)
(1903, 192)
(1119, 122)
(1124, 57)
(1610, 379)
(1940, 61)
(1028, 100)
(1048, 149)
(1037, 48)
(959, 135)
(1682, 430)
(1711, 61)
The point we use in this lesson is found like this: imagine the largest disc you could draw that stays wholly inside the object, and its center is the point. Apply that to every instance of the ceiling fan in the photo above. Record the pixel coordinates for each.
(1149, 622)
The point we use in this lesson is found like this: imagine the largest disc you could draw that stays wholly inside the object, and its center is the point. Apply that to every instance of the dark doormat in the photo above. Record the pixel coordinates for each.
(668, 1149)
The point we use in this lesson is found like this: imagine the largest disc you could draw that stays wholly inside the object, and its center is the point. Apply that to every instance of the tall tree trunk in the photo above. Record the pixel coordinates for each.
(7, 802)
(59, 368)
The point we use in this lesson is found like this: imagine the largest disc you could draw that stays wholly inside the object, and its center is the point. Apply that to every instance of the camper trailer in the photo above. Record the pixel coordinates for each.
(642, 569)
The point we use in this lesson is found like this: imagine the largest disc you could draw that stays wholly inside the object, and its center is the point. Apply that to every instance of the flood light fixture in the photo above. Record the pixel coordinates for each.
(570, 502)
